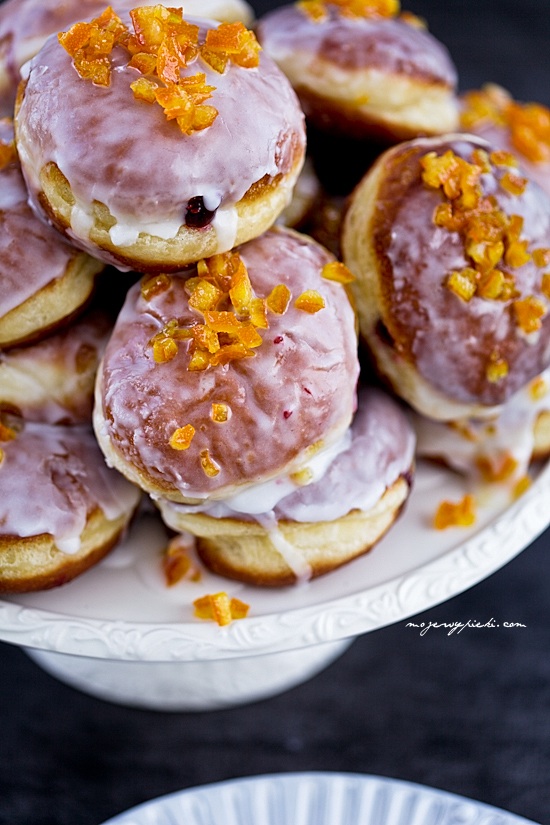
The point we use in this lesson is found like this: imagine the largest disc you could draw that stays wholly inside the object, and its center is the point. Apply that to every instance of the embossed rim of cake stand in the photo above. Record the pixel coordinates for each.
(395, 600)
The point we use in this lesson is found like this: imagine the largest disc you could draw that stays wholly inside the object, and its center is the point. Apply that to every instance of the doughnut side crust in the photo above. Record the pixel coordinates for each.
(314, 528)
(247, 552)
(35, 562)
(433, 347)
(52, 381)
(380, 78)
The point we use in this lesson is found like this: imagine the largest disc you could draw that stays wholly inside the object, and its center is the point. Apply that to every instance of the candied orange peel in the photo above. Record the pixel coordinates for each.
(232, 314)
(161, 44)
(220, 608)
(528, 124)
(317, 9)
(493, 242)
(177, 563)
(455, 514)
(8, 153)
(182, 437)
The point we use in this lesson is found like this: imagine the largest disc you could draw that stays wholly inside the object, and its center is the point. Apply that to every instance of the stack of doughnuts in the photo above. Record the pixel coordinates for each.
(161, 152)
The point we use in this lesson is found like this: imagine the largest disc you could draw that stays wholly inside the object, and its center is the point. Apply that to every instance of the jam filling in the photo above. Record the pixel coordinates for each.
(197, 216)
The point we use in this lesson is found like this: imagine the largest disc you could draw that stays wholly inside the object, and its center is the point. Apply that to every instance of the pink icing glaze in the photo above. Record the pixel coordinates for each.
(125, 153)
(28, 247)
(390, 45)
(65, 397)
(299, 388)
(52, 478)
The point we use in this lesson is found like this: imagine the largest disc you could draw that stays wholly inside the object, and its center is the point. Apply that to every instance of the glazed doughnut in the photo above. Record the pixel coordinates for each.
(61, 510)
(194, 404)
(187, 187)
(25, 25)
(449, 243)
(498, 449)
(313, 529)
(367, 72)
(43, 281)
(521, 128)
(52, 381)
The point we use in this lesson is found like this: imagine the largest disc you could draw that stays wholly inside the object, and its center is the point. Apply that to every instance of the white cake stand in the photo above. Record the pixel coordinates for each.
(119, 633)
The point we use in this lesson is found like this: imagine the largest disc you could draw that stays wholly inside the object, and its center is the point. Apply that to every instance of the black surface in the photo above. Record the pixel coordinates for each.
(467, 712)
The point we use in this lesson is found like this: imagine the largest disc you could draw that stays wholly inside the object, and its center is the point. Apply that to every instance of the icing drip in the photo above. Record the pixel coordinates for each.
(509, 434)
(52, 478)
(376, 451)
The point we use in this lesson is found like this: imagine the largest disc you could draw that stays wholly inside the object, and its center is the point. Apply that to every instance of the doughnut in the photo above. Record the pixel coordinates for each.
(495, 450)
(52, 381)
(243, 371)
(313, 529)
(25, 25)
(43, 281)
(363, 69)
(61, 510)
(450, 245)
(193, 180)
(521, 128)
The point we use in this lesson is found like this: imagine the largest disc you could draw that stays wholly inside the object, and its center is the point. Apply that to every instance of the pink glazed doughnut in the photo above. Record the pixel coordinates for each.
(155, 190)
(242, 372)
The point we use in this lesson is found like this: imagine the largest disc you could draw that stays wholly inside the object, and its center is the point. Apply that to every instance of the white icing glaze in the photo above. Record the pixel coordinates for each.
(510, 433)
(374, 453)
(52, 478)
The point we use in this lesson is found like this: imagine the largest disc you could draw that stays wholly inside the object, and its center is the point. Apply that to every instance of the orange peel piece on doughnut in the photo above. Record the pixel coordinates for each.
(317, 9)
(230, 42)
(90, 45)
(279, 299)
(209, 466)
(182, 437)
(220, 412)
(310, 301)
(529, 313)
(155, 285)
(497, 369)
(337, 271)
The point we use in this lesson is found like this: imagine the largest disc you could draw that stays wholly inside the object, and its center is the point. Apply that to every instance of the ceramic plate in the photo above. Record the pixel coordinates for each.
(315, 799)
(122, 608)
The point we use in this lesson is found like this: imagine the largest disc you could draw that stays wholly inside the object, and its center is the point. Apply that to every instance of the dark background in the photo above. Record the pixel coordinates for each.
(467, 713)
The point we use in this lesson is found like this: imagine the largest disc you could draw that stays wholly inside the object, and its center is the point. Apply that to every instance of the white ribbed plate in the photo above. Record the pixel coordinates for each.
(315, 799)
(122, 609)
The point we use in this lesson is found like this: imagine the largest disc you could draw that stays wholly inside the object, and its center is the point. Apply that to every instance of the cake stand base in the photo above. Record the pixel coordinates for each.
(189, 686)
